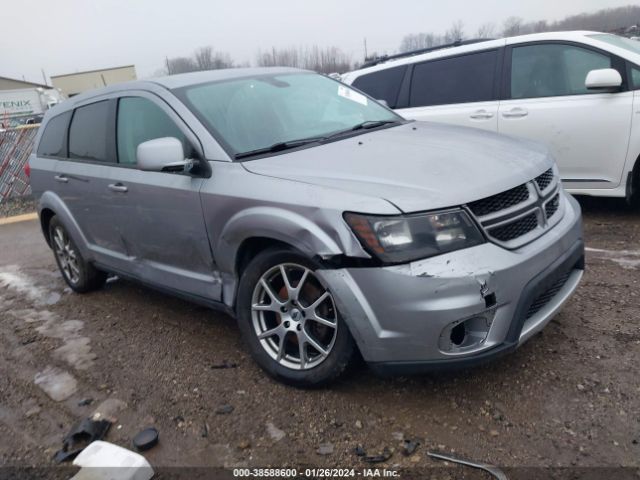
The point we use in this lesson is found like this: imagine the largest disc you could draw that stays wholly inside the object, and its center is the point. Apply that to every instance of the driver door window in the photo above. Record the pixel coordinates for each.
(140, 120)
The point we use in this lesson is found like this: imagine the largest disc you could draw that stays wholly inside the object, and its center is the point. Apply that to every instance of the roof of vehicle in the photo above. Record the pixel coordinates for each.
(578, 35)
(177, 81)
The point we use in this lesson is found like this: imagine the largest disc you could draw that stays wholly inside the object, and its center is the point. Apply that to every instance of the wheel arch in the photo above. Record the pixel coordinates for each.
(633, 184)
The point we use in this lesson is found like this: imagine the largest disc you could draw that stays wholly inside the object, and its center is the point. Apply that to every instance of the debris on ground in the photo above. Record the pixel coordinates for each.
(380, 457)
(204, 432)
(410, 446)
(224, 364)
(325, 449)
(146, 439)
(244, 444)
(274, 432)
(225, 409)
(80, 436)
(495, 471)
(85, 401)
(104, 460)
(359, 451)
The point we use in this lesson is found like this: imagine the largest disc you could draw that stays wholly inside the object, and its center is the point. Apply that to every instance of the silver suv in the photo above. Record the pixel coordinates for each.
(320, 219)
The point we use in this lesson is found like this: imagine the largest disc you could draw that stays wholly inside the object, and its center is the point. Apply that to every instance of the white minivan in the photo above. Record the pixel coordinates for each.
(577, 92)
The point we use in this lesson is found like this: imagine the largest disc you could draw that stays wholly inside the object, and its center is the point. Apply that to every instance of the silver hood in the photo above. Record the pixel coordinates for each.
(416, 166)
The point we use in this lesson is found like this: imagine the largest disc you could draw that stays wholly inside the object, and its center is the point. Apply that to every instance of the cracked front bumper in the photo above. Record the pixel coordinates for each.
(397, 314)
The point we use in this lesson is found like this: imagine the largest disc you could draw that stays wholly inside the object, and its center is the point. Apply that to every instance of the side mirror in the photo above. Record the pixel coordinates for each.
(604, 78)
(162, 155)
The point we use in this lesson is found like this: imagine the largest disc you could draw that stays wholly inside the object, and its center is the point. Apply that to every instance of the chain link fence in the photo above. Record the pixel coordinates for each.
(15, 148)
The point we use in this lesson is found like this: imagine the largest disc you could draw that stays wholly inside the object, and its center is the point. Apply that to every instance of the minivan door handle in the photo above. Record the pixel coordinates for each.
(481, 115)
(516, 112)
(118, 187)
(61, 179)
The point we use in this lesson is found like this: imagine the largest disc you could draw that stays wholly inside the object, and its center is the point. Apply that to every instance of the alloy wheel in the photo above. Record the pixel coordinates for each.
(67, 255)
(294, 316)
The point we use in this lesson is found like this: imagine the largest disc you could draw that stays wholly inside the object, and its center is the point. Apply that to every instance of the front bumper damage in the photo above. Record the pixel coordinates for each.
(404, 317)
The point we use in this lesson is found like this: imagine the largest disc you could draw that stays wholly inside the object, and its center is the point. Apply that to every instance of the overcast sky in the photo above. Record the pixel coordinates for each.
(65, 36)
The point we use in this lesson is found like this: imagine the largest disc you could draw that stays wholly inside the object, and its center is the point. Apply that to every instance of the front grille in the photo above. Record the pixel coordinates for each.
(501, 201)
(515, 229)
(552, 206)
(547, 295)
(545, 179)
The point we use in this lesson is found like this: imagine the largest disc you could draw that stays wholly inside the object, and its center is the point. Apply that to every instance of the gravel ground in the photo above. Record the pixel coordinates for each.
(17, 206)
(568, 398)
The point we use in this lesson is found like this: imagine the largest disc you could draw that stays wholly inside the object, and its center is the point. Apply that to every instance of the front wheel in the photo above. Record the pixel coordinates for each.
(290, 321)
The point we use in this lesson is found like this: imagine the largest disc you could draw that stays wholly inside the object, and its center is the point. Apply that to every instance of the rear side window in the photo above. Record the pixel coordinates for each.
(469, 78)
(89, 132)
(140, 120)
(52, 143)
(382, 85)
(635, 77)
(550, 70)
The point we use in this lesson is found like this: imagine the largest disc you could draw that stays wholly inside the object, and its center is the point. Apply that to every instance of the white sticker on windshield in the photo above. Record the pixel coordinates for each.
(352, 95)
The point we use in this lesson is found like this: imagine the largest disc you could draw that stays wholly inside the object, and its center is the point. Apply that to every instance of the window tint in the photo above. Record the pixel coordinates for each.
(382, 85)
(52, 143)
(635, 77)
(89, 131)
(140, 120)
(469, 78)
(552, 69)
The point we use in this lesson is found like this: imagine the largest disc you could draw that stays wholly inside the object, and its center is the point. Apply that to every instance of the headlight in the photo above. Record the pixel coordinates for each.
(404, 238)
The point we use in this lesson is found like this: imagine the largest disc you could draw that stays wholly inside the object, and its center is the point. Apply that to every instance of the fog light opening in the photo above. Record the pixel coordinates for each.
(458, 334)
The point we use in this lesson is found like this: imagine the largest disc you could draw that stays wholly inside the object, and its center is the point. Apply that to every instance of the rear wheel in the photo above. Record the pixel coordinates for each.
(290, 321)
(79, 274)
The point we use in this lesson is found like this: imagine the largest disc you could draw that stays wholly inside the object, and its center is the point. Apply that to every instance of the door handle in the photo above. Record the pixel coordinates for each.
(61, 179)
(481, 115)
(515, 113)
(118, 187)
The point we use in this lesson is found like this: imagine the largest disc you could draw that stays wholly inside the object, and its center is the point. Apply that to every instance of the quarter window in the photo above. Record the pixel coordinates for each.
(89, 132)
(140, 120)
(382, 85)
(549, 70)
(469, 78)
(52, 141)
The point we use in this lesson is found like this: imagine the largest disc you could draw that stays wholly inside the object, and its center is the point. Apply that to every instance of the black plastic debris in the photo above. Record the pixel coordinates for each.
(493, 470)
(224, 364)
(359, 451)
(80, 436)
(85, 401)
(146, 439)
(409, 447)
(225, 409)
(379, 458)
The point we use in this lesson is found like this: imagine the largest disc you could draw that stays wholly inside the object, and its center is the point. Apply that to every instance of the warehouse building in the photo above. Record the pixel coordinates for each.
(74, 83)
(7, 83)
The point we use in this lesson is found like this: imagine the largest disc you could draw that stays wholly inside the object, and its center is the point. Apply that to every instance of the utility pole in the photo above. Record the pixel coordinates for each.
(44, 77)
(365, 48)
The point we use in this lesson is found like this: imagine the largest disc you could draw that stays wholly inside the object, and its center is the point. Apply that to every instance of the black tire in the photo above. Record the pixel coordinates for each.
(343, 347)
(87, 278)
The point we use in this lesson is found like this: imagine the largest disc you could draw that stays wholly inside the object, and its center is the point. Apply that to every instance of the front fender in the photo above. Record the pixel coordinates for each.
(279, 224)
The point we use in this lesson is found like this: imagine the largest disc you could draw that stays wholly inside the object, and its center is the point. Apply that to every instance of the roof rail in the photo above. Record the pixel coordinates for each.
(386, 58)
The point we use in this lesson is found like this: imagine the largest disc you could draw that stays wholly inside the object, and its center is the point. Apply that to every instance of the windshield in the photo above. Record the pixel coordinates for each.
(258, 112)
(622, 42)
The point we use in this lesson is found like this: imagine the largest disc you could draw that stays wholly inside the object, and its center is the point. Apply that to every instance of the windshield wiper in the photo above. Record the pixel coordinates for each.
(372, 124)
(279, 146)
(369, 124)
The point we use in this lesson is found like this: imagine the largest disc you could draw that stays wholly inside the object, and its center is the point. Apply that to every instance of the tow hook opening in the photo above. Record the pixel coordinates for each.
(466, 335)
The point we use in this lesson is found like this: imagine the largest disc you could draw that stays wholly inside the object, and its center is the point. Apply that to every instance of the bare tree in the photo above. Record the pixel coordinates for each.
(486, 30)
(512, 26)
(455, 32)
(320, 59)
(180, 65)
